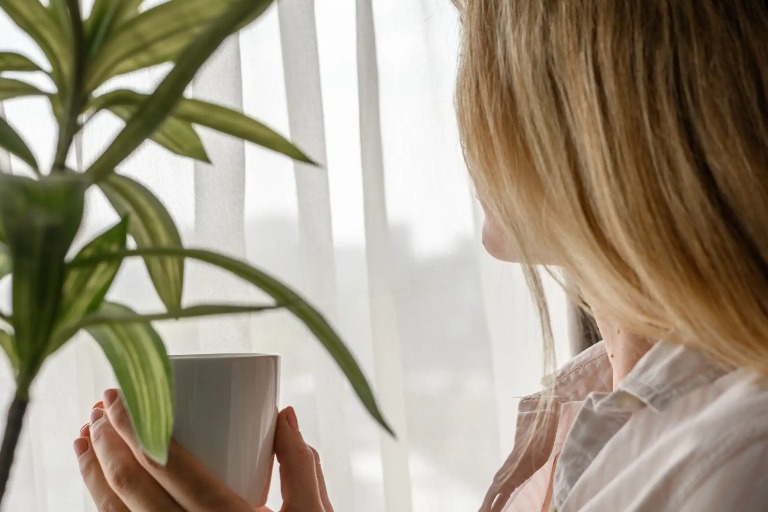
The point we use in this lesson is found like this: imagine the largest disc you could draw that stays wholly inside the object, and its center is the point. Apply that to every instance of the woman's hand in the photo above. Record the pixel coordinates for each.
(121, 478)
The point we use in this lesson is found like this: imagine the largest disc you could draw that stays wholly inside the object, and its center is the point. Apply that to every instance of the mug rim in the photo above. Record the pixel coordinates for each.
(225, 355)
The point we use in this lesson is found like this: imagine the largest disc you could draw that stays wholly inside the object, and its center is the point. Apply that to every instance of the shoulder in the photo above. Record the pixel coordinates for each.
(709, 443)
(712, 444)
(731, 449)
(713, 421)
(731, 410)
(732, 417)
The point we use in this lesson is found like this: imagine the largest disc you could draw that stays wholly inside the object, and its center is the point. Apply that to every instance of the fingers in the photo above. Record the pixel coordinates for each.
(184, 478)
(321, 482)
(103, 496)
(298, 469)
(119, 474)
(137, 490)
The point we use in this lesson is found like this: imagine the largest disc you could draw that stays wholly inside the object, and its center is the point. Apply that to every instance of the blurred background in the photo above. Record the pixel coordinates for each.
(385, 240)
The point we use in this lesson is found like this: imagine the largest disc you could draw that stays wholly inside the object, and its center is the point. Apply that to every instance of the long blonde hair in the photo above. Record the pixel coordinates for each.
(634, 134)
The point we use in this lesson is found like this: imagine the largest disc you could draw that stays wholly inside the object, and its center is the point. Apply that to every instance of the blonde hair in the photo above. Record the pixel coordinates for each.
(634, 134)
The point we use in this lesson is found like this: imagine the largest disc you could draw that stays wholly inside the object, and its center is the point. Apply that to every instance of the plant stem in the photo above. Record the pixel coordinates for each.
(11, 438)
(73, 102)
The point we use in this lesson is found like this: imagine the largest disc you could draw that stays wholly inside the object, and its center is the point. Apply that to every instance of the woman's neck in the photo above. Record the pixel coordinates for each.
(624, 349)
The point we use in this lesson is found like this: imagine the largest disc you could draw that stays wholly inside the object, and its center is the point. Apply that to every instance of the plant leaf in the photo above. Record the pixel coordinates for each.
(11, 88)
(238, 125)
(40, 25)
(40, 219)
(201, 310)
(213, 116)
(161, 103)
(15, 145)
(12, 61)
(285, 297)
(150, 225)
(160, 35)
(8, 344)
(176, 136)
(5, 261)
(141, 365)
(105, 17)
(84, 288)
(58, 10)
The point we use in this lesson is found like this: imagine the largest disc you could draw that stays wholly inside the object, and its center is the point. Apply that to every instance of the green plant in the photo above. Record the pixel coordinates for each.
(53, 296)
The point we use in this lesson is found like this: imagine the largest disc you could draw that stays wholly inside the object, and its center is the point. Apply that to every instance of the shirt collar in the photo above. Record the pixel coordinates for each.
(589, 371)
(661, 376)
(664, 374)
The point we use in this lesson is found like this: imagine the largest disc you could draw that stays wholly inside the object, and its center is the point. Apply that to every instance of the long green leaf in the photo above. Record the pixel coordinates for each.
(201, 310)
(40, 219)
(58, 9)
(84, 288)
(14, 144)
(238, 125)
(285, 297)
(150, 225)
(105, 17)
(141, 365)
(6, 267)
(176, 136)
(11, 88)
(40, 25)
(8, 344)
(70, 92)
(161, 103)
(213, 116)
(160, 35)
(5, 261)
(12, 61)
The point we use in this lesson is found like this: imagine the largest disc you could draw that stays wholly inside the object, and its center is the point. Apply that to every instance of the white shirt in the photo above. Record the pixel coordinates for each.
(680, 433)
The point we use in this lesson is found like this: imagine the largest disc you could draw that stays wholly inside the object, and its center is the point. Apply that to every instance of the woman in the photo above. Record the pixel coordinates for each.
(627, 142)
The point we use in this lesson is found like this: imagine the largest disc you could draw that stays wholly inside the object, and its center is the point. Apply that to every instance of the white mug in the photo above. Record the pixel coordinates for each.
(225, 409)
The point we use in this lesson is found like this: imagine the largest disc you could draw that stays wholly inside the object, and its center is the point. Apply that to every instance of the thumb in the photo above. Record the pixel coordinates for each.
(298, 476)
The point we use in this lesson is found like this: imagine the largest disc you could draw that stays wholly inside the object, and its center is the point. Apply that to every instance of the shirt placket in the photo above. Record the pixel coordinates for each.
(594, 426)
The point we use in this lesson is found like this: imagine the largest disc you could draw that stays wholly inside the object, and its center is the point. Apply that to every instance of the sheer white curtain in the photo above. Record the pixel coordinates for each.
(385, 240)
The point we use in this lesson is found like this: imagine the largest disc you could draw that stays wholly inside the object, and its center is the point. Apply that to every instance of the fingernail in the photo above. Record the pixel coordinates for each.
(80, 446)
(293, 421)
(84, 429)
(110, 396)
(98, 405)
(96, 415)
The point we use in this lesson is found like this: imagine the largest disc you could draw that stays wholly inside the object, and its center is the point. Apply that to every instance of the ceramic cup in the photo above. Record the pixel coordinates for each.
(225, 414)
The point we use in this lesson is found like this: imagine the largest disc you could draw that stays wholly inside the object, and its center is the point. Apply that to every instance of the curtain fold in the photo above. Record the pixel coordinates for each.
(384, 238)
(388, 366)
(298, 36)
(219, 201)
